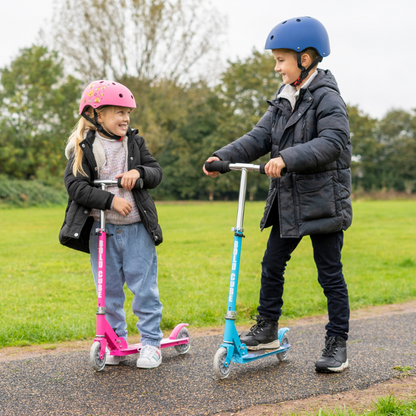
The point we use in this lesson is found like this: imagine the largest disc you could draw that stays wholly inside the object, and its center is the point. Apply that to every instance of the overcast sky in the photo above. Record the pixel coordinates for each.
(373, 42)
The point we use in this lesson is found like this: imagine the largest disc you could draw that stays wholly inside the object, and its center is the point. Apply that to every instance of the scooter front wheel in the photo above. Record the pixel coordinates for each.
(220, 370)
(283, 355)
(97, 363)
(183, 348)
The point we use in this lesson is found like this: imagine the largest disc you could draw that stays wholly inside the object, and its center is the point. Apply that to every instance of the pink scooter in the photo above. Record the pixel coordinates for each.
(105, 335)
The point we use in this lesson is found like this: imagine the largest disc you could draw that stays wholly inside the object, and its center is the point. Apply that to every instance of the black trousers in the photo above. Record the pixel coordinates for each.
(327, 255)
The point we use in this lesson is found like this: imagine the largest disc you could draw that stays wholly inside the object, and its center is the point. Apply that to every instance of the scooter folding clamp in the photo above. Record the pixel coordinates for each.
(231, 315)
(99, 231)
(100, 310)
(238, 232)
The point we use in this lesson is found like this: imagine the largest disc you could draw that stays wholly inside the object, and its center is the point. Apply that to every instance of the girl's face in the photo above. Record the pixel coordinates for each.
(286, 65)
(115, 120)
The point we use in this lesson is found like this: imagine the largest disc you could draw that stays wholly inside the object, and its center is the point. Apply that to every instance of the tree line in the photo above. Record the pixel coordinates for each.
(183, 115)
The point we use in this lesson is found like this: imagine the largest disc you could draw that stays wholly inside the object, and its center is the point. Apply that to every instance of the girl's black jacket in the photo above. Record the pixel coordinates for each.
(83, 195)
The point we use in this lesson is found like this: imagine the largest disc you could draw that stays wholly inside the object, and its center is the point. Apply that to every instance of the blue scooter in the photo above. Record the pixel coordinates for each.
(232, 349)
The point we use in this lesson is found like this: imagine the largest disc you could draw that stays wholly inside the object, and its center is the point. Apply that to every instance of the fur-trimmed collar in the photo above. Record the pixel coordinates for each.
(97, 148)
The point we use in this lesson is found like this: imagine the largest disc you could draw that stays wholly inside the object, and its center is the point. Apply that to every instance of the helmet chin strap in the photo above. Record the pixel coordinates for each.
(99, 127)
(304, 71)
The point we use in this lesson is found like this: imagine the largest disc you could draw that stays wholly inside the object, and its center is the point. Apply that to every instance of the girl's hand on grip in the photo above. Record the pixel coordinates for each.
(128, 179)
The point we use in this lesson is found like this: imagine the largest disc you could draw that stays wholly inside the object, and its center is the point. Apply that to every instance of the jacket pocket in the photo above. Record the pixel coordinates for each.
(316, 197)
(150, 219)
(70, 213)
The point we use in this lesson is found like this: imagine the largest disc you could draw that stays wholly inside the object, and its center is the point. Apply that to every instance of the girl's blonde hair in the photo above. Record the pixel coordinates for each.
(77, 136)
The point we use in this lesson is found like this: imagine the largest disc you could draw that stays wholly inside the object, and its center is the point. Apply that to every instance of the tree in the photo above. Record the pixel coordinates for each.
(189, 150)
(396, 133)
(384, 151)
(146, 39)
(37, 111)
(367, 151)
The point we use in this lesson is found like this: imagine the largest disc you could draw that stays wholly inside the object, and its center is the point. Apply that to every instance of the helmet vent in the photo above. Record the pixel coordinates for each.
(298, 20)
(120, 95)
(284, 22)
(272, 36)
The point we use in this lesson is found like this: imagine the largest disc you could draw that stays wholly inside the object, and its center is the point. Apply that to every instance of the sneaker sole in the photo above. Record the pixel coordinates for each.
(271, 345)
(339, 369)
(122, 359)
(149, 365)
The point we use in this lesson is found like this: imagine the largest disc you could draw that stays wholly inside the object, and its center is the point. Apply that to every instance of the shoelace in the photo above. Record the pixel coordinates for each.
(331, 347)
(256, 328)
(147, 351)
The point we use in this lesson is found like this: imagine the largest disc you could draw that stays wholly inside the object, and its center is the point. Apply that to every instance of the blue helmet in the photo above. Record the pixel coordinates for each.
(299, 34)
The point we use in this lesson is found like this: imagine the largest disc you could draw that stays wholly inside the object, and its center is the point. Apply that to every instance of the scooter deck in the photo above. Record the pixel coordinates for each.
(135, 348)
(254, 355)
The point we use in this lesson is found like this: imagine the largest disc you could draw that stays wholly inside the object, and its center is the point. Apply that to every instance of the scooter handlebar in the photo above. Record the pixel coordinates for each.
(109, 182)
(225, 166)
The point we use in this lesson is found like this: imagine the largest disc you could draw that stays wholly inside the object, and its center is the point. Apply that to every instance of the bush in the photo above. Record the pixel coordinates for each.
(19, 193)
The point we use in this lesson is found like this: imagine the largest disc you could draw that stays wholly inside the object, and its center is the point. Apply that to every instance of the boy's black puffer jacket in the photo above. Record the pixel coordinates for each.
(83, 196)
(314, 142)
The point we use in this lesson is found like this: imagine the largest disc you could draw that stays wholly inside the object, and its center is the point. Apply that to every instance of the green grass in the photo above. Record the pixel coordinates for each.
(384, 406)
(47, 292)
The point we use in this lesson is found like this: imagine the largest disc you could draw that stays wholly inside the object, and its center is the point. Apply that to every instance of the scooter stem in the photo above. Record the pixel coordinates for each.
(238, 237)
(102, 243)
(241, 201)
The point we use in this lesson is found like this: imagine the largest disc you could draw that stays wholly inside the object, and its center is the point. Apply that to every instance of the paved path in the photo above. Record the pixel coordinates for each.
(65, 384)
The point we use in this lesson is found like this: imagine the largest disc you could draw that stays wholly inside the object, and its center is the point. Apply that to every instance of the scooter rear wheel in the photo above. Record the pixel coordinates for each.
(97, 363)
(220, 370)
(283, 355)
(183, 348)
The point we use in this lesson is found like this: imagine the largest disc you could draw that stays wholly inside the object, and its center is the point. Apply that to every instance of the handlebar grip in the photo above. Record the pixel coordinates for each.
(218, 166)
(263, 172)
(137, 185)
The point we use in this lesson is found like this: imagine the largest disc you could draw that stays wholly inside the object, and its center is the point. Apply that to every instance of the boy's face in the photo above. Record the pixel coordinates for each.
(286, 65)
(115, 120)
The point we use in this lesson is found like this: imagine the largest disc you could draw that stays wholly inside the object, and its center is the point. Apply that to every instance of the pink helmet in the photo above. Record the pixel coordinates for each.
(104, 92)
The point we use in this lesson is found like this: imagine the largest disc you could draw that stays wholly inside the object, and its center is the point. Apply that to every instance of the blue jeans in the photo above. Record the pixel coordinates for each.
(131, 259)
(327, 256)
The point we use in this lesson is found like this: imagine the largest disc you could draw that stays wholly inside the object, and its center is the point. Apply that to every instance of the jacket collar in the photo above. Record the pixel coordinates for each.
(291, 94)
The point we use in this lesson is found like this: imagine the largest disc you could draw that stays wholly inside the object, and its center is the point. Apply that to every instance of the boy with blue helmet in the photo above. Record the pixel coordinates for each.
(306, 130)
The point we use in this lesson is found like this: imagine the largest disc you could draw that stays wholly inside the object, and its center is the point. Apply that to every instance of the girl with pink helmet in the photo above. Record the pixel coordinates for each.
(103, 146)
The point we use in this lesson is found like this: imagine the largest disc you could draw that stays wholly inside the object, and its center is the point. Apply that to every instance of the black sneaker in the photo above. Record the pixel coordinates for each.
(262, 335)
(334, 356)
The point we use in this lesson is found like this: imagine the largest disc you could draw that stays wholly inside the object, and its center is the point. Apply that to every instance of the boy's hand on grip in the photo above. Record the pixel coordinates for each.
(122, 206)
(274, 167)
(212, 174)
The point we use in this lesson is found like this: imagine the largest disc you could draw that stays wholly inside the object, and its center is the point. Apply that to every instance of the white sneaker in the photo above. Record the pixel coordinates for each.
(113, 359)
(150, 357)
